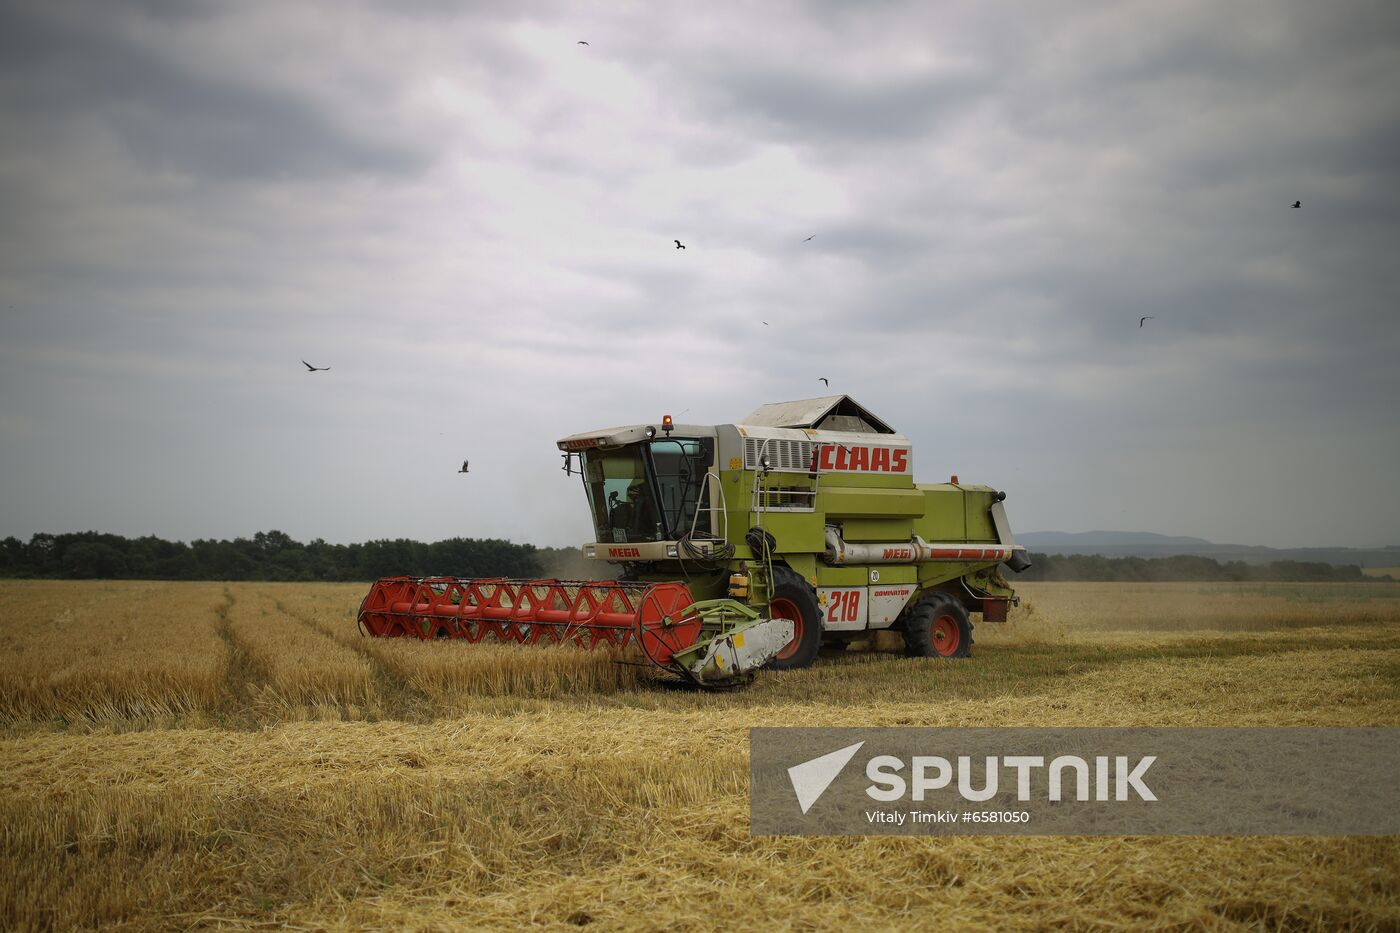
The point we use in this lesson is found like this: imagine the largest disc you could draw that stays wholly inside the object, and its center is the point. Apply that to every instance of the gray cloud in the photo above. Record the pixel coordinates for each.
(793, 104)
(470, 218)
(173, 118)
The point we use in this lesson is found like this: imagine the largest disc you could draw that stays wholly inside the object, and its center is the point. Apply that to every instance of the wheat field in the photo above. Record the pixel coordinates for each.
(210, 756)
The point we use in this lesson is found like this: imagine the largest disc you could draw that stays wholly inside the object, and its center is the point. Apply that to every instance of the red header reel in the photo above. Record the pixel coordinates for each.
(535, 612)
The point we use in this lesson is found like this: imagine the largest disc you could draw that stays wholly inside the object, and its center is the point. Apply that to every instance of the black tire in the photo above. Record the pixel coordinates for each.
(938, 627)
(794, 598)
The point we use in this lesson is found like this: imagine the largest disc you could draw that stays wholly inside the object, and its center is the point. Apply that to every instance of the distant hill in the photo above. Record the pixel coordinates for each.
(1043, 540)
(1149, 544)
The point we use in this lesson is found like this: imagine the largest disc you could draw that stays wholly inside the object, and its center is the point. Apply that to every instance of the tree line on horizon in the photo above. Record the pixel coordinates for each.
(275, 556)
(267, 556)
(1095, 568)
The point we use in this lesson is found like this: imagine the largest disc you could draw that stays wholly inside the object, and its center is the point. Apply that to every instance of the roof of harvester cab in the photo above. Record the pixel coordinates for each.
(830, 413)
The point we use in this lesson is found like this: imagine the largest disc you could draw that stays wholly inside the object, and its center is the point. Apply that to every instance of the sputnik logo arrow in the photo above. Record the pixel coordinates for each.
(811, 778)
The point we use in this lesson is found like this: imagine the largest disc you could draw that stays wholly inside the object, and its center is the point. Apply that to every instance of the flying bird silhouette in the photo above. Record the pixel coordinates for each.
(315, 369)
(581, 42)
(1297, 203)
(1145, 318)
(809, 238)
(764, 323)
(824, 381)
(680, 245)
(464, 467)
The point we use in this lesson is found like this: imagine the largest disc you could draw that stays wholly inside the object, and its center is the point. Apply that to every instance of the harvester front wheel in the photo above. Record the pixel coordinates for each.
(938, 627)
(794, 599)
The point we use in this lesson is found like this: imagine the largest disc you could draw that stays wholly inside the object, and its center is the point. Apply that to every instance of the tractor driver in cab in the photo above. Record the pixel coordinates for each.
(636, 516)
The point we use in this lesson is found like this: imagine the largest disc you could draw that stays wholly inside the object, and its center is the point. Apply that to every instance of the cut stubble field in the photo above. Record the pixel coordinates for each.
(210, 755)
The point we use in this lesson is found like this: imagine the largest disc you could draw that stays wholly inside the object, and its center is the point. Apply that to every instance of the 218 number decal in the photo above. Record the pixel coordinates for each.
(844, 606)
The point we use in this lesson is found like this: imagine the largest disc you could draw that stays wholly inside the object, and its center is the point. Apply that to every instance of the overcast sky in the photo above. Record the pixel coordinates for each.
(469, 217)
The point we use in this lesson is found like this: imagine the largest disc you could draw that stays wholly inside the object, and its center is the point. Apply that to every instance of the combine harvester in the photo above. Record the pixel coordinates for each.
(743, 546)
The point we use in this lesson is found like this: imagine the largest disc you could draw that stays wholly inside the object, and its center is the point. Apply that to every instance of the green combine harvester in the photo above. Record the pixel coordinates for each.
(741, 546)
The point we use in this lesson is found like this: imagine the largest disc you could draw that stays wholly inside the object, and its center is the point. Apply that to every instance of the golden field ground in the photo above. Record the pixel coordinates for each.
(199, 756)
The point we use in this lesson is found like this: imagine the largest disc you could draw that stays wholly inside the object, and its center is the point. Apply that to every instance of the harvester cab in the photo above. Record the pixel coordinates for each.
(740, 546)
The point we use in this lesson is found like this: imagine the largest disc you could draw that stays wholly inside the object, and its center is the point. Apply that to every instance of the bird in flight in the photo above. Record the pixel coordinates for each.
(1144, 319)
(764, 323)
(581, 42)
(824, 380)
(680, 245)
(1297, 203)
(464, 467)
(809, 239)
(315, 369)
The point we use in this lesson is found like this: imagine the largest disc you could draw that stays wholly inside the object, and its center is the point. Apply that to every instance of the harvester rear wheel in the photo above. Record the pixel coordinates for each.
(795, 599)
(938, 627)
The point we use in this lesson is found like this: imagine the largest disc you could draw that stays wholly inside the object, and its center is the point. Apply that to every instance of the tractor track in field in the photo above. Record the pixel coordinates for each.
(245, 672)
(397, 698)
